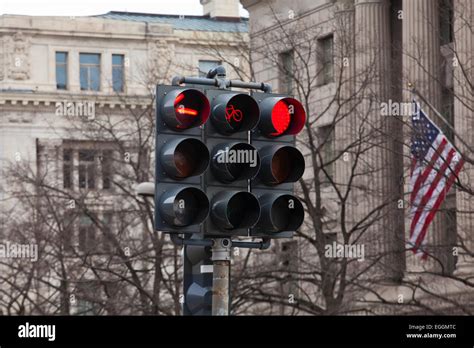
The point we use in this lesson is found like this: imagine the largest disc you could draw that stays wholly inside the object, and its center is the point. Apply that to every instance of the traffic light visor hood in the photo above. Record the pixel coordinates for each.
(184, 206)
(281, 164)
(235, 209)
(235, 161)
(280, 212)
(184, 157)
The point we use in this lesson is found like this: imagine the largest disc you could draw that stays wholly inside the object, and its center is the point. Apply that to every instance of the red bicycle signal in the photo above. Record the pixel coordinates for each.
(233, 114)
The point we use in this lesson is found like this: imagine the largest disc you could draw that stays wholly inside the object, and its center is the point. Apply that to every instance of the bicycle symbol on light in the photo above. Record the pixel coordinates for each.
(232, 113)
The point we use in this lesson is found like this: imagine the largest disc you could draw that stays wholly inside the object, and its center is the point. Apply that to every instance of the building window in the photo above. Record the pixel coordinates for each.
(93, 239)
(326, 60)
(286, 72)
(89, 71)
(451, 222)
(67, 231)
(118, 72)
(446, 29)
(86, 234)
(87, 169)
(106, 161)
(206, 65)
(61, 70)
(67, 169)
(106, 244)
(447, 109)
(79, 231)
(327, 138)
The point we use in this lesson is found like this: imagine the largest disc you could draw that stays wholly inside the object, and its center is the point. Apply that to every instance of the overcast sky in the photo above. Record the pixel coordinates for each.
(93, 7)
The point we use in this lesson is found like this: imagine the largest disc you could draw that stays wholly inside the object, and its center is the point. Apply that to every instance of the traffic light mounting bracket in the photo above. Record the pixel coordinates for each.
(217, 78)
(262, 245)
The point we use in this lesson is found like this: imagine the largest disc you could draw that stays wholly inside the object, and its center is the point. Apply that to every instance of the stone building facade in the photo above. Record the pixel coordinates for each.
(379, 47)
(60, 74)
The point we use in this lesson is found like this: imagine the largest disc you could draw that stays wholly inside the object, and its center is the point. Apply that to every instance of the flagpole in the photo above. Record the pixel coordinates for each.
(417, 93)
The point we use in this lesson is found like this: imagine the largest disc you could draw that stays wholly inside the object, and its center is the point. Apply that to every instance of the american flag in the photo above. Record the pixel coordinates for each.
(435, 166)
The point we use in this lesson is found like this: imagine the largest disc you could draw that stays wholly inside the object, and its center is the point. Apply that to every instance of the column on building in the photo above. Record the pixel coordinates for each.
(344, 58)
(422, 68)
(377, 185)
(464, 123)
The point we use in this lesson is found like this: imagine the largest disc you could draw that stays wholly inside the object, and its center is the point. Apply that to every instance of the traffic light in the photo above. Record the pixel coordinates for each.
(184, 108)
(197, 281)
(233, 112)
(225, 166)
(181, 159)
(280, 116)
(226, 161)
(282, 164)
(233, 209)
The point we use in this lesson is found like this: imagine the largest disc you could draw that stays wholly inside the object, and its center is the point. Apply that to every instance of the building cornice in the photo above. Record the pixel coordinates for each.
(13, 98)
(100, 28)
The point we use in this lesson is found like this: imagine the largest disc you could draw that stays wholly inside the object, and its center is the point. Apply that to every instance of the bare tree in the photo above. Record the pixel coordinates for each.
(338, 176)
(98, 249)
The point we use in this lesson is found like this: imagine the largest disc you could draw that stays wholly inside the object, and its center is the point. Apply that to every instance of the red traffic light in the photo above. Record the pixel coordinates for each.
(232, 113)
(185, 108)
(180, 108)
(281, 116)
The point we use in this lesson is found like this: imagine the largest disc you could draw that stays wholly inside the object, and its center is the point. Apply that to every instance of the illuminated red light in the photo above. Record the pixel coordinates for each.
(180, 109)
(233, 114)
(186, 111)
(281, 118)
(179, 98)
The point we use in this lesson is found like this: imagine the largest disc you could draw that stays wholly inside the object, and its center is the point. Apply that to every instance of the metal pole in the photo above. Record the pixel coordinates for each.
(221, 253)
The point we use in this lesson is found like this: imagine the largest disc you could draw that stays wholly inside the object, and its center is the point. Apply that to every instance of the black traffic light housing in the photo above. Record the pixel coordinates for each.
(225, 166)
(181, 158)
(233, 209)
(226, 162)
(282, 164)
(197, 285)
